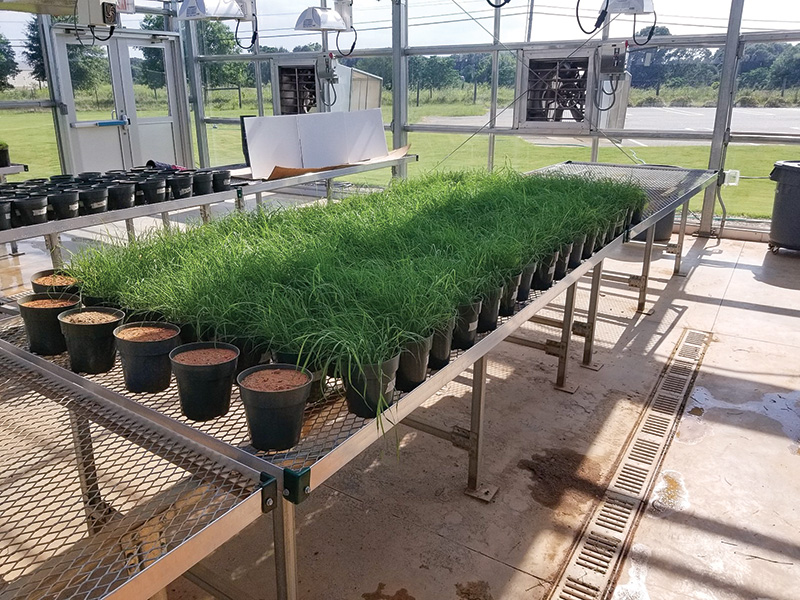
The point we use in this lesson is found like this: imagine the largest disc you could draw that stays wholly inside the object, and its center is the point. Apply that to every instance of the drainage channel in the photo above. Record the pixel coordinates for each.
(597, 556)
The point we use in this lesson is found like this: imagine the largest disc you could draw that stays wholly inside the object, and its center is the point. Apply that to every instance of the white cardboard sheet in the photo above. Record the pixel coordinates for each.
(272, 141)
(313, 141)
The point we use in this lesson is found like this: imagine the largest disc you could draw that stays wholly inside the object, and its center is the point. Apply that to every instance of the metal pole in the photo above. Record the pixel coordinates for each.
(495, 85)
(591, 316)
(44, 22)
(285, 536)
(596, 139)
(722, 120)
(131, 230)
(196, 88)
(648, 253)
(681, 237)
(52, 242)
(566, 335)
(399, 80)
(529, 24)
(257, 75)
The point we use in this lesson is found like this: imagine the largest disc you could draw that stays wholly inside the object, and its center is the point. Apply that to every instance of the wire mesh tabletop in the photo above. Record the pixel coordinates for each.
(92, 498)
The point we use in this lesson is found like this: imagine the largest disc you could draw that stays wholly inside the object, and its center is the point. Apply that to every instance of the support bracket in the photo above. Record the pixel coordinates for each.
(580, 329)
(460, 437)
(637, 282)
(554, 348)
(296, 484)
(673, 248)
(483, 492)
(269, 493)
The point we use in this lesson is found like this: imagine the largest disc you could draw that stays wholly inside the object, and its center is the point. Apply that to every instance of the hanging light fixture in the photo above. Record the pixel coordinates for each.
(316, 18)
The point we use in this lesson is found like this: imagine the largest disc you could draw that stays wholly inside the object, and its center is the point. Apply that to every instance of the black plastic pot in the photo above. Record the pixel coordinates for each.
(151, 191)
(5, 215)
(63, 204)
(466, 329)
(204, 390)
(508, 303)
(611, 232)
(369, 386)
(121, 195)
(600, 238)
(38, 288)
(59, 179)
(274, 418)
(305, 361)
(5, 157)
(145, 365)
(442, 343)
(93, 201)
(203, 183)
(543, 278)
(222, 181)
(490, 310)
(41, 324)
(250, 353)
(180, 185)
(575, 256)
(91, 346)
(29, 211)
(88, 175)
(563, 260)
(524, 289)
(413, 367)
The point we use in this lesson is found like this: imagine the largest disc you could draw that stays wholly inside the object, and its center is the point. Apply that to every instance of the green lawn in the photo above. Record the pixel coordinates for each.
(31, 137)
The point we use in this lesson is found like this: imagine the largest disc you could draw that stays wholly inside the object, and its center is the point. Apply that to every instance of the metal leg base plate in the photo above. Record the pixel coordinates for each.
(568, 388)
(593, 366)
(644, 312)
(483, 492)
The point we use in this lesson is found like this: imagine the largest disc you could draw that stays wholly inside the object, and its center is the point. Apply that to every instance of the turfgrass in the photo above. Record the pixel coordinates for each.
(351, 283)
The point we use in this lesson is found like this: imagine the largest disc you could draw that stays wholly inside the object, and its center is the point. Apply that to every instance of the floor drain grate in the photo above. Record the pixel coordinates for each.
(597, 555)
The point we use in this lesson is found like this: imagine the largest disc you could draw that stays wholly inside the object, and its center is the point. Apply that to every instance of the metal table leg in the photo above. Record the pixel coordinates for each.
(681, 237)
(643, 282)
(259, 199)
(591, 319)
(165, 220)
(566, 336)
(52, 242)
(131, 229)
(205, 213)
(474, 486)
(285, 537)
(97, 511)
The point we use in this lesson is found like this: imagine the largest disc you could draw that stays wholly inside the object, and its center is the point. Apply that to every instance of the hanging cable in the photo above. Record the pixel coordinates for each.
(500, 4)
(352, 46)
(100, 39)
(649, 35)
(601, 18)
(332, 88)
(252, 38)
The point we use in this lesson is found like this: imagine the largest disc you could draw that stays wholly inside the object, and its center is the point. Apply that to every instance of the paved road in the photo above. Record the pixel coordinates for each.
(761, 120)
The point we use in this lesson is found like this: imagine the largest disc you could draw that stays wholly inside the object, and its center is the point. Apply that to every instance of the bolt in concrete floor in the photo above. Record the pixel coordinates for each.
(395, 524)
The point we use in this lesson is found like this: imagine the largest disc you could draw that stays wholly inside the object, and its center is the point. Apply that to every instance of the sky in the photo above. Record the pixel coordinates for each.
(450, 21)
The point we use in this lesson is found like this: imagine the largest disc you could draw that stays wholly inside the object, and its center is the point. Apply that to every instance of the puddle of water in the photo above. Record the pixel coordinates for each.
(670, 494)
(781, 408)
(636, 588)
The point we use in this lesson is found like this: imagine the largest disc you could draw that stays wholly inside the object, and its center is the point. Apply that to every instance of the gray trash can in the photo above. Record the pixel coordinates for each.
(784, 231)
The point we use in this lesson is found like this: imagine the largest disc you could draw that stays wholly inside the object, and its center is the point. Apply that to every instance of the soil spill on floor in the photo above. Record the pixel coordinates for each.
(401, 594)
(697, 411)
(474, 590)
(670, 493)
(558, 473)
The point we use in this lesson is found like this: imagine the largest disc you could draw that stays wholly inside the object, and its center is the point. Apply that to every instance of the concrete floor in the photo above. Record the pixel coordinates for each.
(723, 524)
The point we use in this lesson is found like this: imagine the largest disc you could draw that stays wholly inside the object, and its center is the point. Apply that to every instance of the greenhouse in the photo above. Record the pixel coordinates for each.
(399, 300)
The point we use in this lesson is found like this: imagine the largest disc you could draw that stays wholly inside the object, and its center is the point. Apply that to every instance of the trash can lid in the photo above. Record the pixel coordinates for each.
(786, 168)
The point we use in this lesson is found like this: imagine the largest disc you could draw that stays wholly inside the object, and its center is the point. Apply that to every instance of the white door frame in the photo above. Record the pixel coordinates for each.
(124, 100)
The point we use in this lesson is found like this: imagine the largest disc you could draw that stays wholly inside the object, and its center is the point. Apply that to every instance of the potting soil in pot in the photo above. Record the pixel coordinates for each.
(91, 317)
(146, 334)
(205, 356)
(48, 303)
(56, 280)
(275, 380)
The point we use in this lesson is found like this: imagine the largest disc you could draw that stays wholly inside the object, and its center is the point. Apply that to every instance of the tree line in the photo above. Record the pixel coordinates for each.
(763, 65)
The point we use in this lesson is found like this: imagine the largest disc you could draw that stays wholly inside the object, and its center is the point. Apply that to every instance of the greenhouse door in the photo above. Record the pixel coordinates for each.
(124, 100)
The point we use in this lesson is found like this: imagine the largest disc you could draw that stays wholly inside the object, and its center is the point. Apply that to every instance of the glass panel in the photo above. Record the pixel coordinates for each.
(31, 139)
(229, 89)
(149, 81)
(445, 23)
(224, 144)
(90, 72)
(447, 152)
(525, 153)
